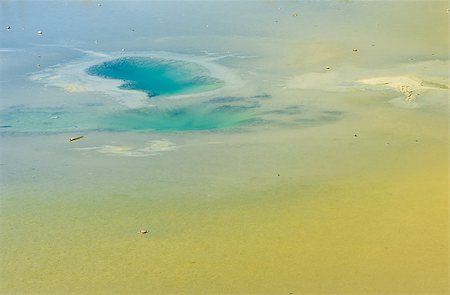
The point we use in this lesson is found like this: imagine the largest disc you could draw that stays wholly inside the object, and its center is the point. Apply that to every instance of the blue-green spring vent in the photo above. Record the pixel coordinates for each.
(157, 76)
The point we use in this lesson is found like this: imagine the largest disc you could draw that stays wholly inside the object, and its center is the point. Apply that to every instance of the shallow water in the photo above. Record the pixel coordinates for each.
(313, 168)
(172, 118)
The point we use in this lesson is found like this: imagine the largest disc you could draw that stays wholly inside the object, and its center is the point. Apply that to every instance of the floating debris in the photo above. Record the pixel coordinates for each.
(355, 49)
(143, 231)
(40, 33)
(8, 28)
(75, 138)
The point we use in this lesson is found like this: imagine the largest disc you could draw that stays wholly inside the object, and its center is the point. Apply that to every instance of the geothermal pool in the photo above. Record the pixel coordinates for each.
(263, 147)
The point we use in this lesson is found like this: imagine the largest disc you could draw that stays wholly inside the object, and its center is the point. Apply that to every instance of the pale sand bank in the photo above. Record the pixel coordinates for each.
(151, 148)
(411, 87)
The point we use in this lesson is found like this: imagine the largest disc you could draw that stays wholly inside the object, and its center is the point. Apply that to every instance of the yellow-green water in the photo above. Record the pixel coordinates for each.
(354, 215)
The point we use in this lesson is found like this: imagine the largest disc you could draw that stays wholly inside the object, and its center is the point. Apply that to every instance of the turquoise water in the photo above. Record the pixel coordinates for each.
(186, 118)
(216, 113)
(156, 76)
